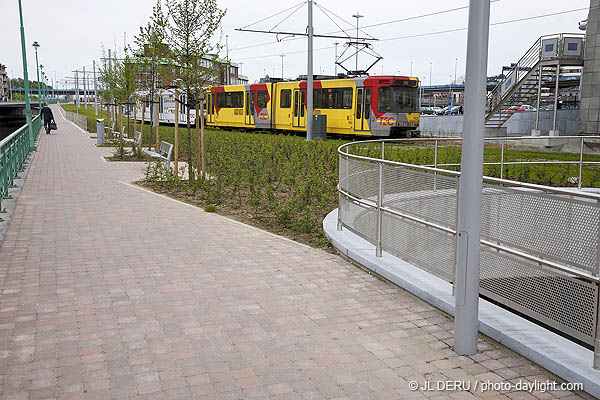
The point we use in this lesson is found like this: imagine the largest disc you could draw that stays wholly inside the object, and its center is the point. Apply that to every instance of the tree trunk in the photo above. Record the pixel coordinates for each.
(142, 123)
(135, 116)
(198, 156)
(120, 122)
(156, 128)
(176, 138)
(142, 126)
(189, 147)
(202, 139)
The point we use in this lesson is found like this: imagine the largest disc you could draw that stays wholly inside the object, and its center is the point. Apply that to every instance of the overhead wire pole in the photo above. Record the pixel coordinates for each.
(357, 16)
(310, 35)
(95, 89)
(466, 320)
(84, 88)
(309, 75)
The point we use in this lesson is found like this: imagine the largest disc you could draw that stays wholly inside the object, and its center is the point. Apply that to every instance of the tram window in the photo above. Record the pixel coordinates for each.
(302, 103)
(367, 103)
(347, 98)
(230, 99)
(247, 103)
(262, 98)
(333, 98)
(359, 95)
(285, 98)
(318, 98)
(397, 99)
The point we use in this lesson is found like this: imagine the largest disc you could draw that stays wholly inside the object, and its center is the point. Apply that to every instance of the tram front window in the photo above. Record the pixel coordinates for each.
(397, 99)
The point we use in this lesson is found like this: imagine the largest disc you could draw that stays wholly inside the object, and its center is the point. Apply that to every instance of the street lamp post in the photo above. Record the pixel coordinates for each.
(39, 83)
(35, 46)
(26, 79)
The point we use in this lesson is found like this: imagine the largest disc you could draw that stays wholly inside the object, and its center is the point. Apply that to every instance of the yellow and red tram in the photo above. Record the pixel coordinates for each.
(371, 106)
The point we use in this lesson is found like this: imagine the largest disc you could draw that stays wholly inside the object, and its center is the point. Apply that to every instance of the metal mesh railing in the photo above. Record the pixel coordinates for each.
(79, 120)
(540, 246)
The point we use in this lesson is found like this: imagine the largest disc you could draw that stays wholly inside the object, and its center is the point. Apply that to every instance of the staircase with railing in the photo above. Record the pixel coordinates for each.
(539, 66)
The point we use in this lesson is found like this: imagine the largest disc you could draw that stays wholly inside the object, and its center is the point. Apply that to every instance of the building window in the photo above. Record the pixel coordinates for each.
(285, 98)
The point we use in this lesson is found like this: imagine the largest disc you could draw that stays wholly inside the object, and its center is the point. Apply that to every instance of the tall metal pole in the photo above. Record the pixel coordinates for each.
(357, 16)
(539, 96)
(470, 186)
(26, 80)
(95, 89)
(35, 46)
(84, 88)
(309, 74)
(10, 96)
(77, 91)
(227, 57)
(556, 99)
(335, 62)
(430, 70)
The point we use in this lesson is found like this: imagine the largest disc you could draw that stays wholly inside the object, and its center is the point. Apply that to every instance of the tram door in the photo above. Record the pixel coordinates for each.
(210, 109)
(249, 108)
(299, 119)
(362, 112)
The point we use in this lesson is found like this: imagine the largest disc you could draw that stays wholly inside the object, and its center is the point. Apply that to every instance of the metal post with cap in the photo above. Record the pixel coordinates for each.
(466, 321)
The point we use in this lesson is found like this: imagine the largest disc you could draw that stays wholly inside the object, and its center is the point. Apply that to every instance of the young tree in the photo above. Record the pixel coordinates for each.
(152, 55)
(191, 29)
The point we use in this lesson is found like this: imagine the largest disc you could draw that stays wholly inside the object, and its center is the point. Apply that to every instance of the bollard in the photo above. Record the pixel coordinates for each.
(100, 131)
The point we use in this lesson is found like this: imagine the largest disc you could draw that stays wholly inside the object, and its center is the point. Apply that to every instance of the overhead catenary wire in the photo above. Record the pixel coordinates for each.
(433, 33)
(373, 25)
(349, 23)
(274, 15)
(327, 15)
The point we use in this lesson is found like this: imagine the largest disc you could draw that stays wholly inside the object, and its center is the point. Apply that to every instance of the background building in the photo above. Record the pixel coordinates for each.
(589, 118)
(4, 93)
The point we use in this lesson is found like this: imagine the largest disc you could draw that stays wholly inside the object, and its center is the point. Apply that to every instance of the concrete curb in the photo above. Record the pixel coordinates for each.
(558, 355)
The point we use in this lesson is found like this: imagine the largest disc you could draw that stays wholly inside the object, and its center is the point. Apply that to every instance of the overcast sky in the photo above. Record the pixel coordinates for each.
(71, 33)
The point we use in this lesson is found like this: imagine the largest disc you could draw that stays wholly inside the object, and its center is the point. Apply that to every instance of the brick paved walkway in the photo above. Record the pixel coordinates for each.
(109, 291)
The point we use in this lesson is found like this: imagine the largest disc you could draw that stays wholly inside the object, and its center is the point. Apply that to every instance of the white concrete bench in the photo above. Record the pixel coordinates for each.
(136, 138)
(163, 154)
(110, 129)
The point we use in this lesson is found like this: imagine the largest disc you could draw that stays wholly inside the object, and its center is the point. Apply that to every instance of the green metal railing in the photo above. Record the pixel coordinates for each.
(13, 152)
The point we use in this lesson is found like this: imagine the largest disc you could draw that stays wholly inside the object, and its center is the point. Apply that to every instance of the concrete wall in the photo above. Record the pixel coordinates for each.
(522, 123)
(590, 85)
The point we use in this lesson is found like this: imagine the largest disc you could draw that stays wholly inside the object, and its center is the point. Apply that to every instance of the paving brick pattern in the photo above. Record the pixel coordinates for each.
(109, 291)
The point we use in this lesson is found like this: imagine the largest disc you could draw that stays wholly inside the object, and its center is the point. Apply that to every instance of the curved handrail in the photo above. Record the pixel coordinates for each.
(489, 179)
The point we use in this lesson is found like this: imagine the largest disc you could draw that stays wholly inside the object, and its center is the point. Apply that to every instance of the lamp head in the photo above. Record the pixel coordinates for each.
(36, 45)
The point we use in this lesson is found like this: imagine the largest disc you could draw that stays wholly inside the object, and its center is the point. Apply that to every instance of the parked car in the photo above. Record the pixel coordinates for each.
(454, 111)
(436, 110)
(526, 107)
(523, 108)
(427, 111)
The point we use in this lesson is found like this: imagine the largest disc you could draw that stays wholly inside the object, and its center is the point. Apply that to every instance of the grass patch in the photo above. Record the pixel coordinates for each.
(286, 185)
